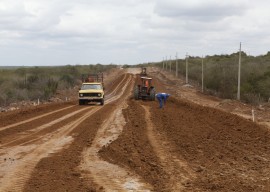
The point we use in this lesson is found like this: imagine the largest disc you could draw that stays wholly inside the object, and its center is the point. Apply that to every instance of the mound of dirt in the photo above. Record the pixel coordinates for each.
(227, 152)
(133, 150)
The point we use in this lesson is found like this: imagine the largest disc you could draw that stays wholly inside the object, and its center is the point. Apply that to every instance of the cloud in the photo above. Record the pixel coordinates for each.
(131, 31)
(200, 10)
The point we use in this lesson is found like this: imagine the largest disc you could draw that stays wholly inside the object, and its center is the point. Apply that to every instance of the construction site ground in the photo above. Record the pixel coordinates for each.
(196, 142)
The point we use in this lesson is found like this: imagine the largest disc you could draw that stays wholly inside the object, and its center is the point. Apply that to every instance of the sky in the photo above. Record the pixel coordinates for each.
(61, 32)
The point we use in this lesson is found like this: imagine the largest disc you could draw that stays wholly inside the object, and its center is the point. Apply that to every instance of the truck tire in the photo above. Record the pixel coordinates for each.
(81, 102)
(102, 102)
(136, 93)
(153, 94)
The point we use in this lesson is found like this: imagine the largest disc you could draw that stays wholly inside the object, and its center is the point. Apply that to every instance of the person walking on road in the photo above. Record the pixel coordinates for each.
(162, 97)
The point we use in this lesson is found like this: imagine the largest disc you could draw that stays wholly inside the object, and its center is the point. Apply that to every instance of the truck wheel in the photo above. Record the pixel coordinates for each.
(81, 102)
(102, 102)
(136, 93)
(152, 94)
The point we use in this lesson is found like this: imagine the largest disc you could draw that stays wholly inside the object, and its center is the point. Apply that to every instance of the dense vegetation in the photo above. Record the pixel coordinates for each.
(31, 83)
(221, 75)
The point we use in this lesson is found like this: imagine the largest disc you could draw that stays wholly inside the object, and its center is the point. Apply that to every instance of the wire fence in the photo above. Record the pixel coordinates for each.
(219, 74)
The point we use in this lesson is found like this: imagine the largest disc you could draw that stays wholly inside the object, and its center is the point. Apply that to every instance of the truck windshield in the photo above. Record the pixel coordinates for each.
(91, 86)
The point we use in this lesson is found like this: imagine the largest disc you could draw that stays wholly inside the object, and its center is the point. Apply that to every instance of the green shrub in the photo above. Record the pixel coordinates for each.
(41, 82)
(50, 88)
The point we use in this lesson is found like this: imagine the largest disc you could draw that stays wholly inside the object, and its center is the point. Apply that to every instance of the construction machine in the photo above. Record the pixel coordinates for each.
(145, 90)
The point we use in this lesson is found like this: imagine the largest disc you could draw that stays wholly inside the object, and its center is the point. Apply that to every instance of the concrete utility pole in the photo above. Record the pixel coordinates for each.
(176, 66)
(202, 74)
(170, 63)
(239, 74)
(187, 68)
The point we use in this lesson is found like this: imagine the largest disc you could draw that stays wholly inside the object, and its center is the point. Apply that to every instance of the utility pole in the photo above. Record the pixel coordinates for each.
(202, 74)
(170, 63)
(176, 66)
(187, 68)
(239, 74)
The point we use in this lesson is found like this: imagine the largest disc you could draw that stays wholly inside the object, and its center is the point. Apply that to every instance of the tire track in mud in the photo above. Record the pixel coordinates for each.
(110, 176)
(132, 150)
(26, 129)
(16, 169)
(113, 92)
(32, 119)
(178, 170)
(35, 134)
(11, 117)
(23, 168)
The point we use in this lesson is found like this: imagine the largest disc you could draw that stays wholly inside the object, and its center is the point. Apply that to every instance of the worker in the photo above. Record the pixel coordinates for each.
(162, 97)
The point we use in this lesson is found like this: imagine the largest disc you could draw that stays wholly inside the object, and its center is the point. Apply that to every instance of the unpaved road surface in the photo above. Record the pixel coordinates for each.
(129, 145)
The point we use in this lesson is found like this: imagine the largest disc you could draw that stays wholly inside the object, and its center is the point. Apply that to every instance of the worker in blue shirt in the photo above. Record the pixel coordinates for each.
(162, 97)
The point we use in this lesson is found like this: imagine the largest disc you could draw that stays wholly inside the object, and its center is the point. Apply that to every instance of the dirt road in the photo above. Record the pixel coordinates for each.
(129, 145)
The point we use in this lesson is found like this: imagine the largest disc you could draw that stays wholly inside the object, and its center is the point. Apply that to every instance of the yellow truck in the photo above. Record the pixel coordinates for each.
(92, 89)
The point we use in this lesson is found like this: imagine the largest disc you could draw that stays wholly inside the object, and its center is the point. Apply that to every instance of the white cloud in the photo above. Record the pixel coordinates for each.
(55, 32)
(200, 10)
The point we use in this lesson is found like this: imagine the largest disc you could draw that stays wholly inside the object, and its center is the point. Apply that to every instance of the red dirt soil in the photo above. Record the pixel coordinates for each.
(182, 147)
(223, 151)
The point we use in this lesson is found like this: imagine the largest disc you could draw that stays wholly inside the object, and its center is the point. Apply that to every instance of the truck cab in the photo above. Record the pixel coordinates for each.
(92, 89)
